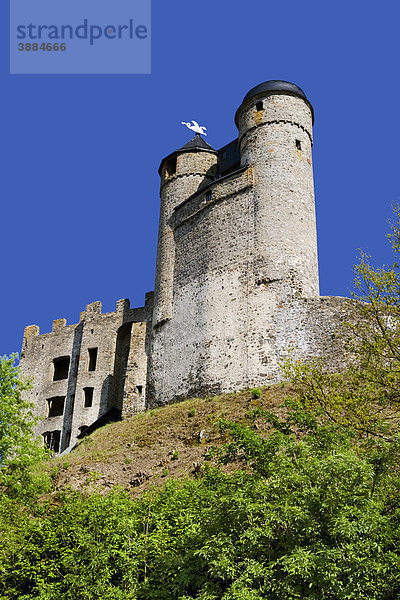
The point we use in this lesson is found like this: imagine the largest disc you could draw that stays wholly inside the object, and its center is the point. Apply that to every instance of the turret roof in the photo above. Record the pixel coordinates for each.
(276, 85)
(196, 144)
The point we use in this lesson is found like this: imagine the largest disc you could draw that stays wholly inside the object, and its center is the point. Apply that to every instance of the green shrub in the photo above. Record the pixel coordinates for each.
(307, 519)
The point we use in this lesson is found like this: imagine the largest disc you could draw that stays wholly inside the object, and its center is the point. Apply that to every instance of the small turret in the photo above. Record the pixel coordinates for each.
(182, 173)
(195, 158)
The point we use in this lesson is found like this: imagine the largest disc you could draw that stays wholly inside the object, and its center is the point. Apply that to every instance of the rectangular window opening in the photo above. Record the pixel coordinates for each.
(56, 406)
(52, 440)
(61, 368)
(298, 144)
(139, 389)
(170, 167)
(259, 106)
(88, 396)
(92, 359)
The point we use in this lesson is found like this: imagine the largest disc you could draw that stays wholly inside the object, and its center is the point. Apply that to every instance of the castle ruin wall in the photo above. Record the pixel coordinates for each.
(79, 371)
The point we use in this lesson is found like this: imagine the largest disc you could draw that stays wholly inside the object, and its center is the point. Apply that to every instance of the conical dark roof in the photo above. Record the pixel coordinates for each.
(196, 144)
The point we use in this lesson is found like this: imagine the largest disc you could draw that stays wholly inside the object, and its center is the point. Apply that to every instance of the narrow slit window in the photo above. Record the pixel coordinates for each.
(92, 359)
(61, 368)
(88, 396)
(72, 403)
(259, 106)
(298, 144)
(56, 406)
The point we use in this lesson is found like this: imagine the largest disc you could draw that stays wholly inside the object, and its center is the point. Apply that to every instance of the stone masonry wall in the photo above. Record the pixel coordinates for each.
(230, 328)
(96, 377)
(193, 170)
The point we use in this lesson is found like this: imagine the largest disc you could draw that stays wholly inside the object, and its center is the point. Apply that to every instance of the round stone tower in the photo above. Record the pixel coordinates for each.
(275, 123)
(237, 268)
(182, 173)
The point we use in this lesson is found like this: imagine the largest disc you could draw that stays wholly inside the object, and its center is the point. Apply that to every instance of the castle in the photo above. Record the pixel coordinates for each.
(236, 283)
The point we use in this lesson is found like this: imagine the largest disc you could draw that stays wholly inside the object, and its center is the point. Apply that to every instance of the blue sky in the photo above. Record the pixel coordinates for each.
(79, 154)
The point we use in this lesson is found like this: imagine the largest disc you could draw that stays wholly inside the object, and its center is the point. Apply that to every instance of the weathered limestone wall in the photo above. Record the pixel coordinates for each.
(88, 389)
(193, 170)
(134, 388)
(38, 353)
(242, 343)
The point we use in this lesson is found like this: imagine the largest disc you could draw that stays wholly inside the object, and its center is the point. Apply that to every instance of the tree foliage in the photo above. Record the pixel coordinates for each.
(15, 413)
(366, 395)
(306, 516)
(19, 451)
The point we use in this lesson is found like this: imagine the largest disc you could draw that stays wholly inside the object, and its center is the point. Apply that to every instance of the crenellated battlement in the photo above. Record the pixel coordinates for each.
(31, 331)
(93, 311)
(58, 324)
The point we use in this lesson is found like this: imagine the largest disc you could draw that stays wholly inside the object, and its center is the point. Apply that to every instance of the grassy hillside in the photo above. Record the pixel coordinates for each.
(144, 450)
